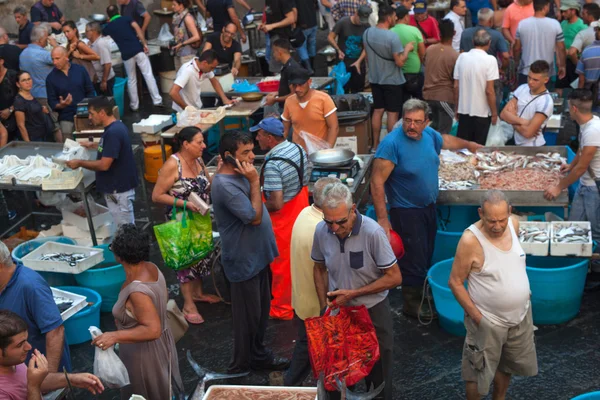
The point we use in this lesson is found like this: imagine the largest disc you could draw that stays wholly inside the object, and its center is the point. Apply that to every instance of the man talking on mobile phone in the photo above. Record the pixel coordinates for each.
(116, 172)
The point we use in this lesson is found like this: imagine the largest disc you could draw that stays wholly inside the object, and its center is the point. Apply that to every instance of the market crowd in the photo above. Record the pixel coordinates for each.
(288, 254)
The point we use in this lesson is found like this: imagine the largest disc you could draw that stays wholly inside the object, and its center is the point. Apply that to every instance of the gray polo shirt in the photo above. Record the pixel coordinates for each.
(357, 260)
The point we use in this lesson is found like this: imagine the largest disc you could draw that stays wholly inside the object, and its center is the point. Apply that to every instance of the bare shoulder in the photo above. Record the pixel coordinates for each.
(515, 222)
(469, 244)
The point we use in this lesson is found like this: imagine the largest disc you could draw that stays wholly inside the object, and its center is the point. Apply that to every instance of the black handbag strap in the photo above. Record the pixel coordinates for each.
(299, 169)
(375, 51)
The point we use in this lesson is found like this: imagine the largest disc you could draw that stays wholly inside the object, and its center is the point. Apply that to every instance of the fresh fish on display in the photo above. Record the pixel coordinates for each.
(455, 185)
(71, 259)
(570, 234)
(533, 234)
(63, 303)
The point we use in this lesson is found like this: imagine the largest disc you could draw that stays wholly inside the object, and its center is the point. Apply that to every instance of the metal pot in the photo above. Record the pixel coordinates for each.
(253, 96)
(332, 157)
(101, 18)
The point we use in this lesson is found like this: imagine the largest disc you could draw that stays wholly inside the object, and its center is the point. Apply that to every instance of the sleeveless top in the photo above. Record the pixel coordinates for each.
(181, 34)
(183, 187)
(501, 289)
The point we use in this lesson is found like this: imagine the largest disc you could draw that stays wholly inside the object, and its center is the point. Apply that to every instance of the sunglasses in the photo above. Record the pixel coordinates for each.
(338, 222)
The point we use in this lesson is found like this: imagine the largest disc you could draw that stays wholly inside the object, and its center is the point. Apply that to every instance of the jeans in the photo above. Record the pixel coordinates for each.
(143, 62)
(585, 208)
(120, 206)
(309, 48)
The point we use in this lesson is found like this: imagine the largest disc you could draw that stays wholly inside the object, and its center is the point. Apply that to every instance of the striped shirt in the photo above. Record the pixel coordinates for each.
(282, 176)
(346, 8)
(589, 64)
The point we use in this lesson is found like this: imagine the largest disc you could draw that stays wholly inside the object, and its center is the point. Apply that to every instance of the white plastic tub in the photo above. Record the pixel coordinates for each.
(536, 249)
(571, 249)
(79, 302)
(32, 260)
(102, 218)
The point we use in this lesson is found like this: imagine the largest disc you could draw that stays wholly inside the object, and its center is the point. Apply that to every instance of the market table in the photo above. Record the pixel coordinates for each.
(318, 83)
(87, 184)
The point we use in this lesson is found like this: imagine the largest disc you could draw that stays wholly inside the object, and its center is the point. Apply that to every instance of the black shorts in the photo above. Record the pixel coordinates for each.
(388, 97)
(565, 83)
(474, 129)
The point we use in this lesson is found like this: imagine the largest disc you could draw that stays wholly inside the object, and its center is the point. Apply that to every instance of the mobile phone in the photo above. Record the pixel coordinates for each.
(231, 160)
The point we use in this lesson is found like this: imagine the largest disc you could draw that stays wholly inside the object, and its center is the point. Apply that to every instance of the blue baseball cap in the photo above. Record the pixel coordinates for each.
(272, 125)
(420, 6)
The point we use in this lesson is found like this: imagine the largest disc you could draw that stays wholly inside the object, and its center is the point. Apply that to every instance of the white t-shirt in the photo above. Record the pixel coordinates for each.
(102, 47)
(189, 79)
(585, 37)
(473, 70)
(538, 38)
(459, 27)
(543, 104)
(590, 136)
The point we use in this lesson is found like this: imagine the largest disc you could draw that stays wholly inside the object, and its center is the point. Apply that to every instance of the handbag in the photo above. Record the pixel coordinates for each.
(197, 44)
(176, 320)
(297, 37)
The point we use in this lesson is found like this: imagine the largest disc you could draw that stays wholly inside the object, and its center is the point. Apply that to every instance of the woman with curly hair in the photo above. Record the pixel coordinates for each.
(146, 344)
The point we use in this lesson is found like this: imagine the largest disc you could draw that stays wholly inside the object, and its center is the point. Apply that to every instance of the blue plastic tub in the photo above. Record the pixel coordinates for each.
(445, 245)
(53, 278)
(105, 278)
(556, 287)
(76, 327)
(456, 218)
(588, 396)
(451, 314)
(550, 138)
(119, 94)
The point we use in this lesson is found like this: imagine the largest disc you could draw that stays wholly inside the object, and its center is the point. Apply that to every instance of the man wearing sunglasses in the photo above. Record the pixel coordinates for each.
(355, 265)
(406, 171)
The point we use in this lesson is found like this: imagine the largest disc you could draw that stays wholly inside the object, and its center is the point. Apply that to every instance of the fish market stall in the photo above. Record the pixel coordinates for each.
(522, 173)
(226, 392)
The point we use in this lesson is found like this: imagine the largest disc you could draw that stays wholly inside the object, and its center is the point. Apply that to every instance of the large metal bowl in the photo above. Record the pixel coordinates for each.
(332, 157)
(101, 18)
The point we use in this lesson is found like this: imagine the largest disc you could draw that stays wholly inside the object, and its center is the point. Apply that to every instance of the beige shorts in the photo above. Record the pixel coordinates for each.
(489, 347)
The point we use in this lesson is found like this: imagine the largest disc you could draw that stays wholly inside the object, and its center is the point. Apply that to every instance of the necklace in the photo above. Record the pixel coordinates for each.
(195, 172)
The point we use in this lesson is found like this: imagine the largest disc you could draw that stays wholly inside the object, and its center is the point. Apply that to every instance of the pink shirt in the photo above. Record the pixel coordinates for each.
(514, 14)
(14, 386)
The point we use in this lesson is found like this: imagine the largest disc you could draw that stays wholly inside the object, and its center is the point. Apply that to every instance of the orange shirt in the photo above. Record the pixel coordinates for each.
(309, 117)
(514, 14)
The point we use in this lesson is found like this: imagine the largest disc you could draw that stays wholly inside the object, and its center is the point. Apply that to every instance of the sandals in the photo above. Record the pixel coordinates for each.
(194, 319)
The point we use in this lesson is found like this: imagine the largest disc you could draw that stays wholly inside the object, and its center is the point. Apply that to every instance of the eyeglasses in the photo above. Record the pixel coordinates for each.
(338, 222)
(417, 122)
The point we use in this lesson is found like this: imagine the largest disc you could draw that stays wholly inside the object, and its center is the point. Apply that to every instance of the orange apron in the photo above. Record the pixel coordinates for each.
(283, 222)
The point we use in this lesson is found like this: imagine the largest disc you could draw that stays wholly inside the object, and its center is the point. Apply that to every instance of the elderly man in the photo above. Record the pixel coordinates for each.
(136, 10)
(129, 37)
(248, 247)
(309, 110)
(187, 88)
(304, 294)
(229, 50)
(427, 25)
(25, 26)
(355, 265)
(105, 74)
(406, 171)
(458, 10)
(500, 340)
(474, 92)
(116, 172)
(531, 107)
(284, 179)
(18, 381)
(47, 11)
(24, 292)
(9, 51)
(67, 84)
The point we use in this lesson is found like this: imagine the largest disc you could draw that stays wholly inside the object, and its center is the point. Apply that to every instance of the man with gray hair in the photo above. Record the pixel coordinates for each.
(355, 265)
(474, 93)
(304, 294)
(405, 171)
(9, 52)
(105, 75)
(500, 340)
(25, 26)
(24, 292)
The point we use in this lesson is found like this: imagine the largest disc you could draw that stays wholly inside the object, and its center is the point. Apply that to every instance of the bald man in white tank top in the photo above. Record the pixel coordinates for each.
(499, 341)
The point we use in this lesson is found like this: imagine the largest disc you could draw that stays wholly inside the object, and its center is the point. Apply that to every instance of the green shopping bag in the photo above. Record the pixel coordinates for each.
(186, 242)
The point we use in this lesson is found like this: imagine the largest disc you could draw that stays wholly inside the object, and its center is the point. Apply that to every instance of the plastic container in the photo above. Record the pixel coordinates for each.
(588, 396)
(119, 94)
(556, 287)
(270, 86)
(445, 245)
(53, 278)
(571, 249)
(261, 389)
(536, 249)
(32, 260)
(451, 314)
(105, 278)
(167, 78)
(79, 302)
(102, 218)
(76, 327)
(456, 218)
(551, 138)
(153, 161)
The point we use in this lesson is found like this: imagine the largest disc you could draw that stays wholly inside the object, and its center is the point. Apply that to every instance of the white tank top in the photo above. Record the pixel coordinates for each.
(501, 289)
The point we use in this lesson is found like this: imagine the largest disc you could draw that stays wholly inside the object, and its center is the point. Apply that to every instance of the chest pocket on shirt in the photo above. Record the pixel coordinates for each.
(356, 259)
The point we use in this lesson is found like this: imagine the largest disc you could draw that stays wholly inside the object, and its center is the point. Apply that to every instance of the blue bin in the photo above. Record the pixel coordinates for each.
(550, 138)
(456, 218)
(53, 278)
(588, 396)
(119, 94)
(76, 327)
(105, 278)
(445, 245)
(556, 287)
(451, 314)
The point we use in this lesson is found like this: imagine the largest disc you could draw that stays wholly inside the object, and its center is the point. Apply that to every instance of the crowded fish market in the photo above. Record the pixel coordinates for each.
(299, 199)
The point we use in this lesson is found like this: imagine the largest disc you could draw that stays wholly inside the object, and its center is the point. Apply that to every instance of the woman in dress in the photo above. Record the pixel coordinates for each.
(186, 33)
(182, 174)
(29, 113)
(79, 52)
(146, 345)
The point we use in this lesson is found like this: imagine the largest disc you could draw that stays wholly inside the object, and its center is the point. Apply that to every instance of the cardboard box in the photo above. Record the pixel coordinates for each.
(359, 131)
(85, 124)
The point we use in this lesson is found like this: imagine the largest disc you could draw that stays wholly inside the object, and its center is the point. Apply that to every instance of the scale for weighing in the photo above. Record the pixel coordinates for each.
(341, 172)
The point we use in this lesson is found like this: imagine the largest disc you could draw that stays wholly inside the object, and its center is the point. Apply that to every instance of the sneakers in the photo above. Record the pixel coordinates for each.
(12, 215)
(412, 296)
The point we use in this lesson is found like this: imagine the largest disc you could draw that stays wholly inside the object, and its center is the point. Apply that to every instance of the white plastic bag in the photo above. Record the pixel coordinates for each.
(165, 34)
(313, 143)
(499, 134)
(108, 366)
(189, 117)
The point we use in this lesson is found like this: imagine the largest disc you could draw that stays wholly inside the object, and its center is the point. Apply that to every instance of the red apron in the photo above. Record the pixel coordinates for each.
(283, 222)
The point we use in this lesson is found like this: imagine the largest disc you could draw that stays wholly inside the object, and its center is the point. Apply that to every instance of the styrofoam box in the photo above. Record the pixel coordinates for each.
(272, 389)
(82, 223)
(153, 124)
(74, 232)
(79, 302)
(536, 249)
(32, 260)
(571, 249)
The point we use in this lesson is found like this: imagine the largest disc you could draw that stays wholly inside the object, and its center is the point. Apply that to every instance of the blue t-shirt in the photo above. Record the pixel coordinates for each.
(38, 62)
(77, 83)
(122, 174)
(414, 181)
(121, 31)
(475, 5)
(29, 296)
(246, 249)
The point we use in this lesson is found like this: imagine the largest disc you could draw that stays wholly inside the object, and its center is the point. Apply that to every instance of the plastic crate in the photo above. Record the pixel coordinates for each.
(270, 86)
(32, 260)
(536, 249)
(62, 180)
(102, 218)
(79, 302)
(571, 249)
